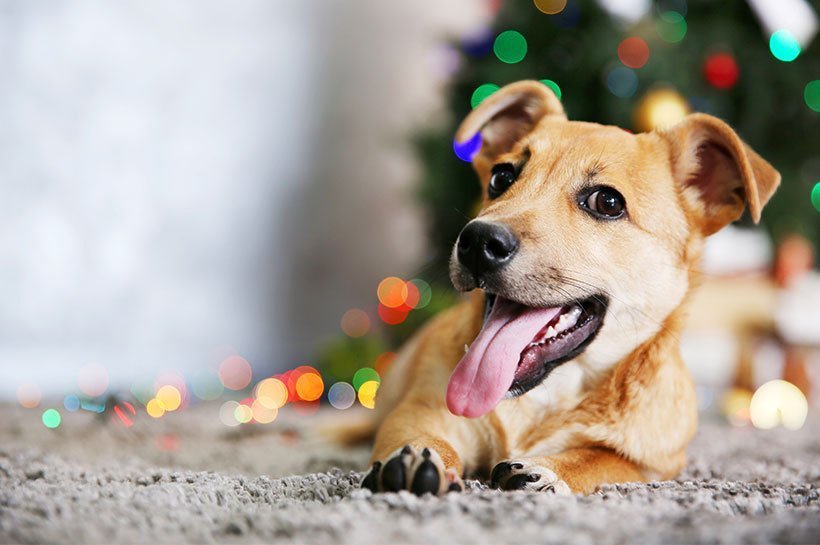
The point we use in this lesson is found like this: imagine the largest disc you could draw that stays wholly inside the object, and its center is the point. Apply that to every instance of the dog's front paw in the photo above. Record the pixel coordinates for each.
(421, 471)
(526, 475)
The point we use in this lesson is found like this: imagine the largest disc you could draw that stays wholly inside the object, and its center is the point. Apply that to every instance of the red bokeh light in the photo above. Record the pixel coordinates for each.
(721, 70)
(393, 316)
(633, 52)
(383, 362)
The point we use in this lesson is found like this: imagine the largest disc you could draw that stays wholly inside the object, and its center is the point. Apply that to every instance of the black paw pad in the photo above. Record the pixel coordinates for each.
(393, 476)
(371, 480)
(426, 479)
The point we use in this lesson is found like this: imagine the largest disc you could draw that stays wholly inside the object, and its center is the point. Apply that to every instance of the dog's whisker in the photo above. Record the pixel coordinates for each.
(584, 287)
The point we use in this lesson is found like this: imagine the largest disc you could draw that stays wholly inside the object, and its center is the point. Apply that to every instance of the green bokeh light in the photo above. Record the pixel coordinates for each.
(811, 94)
(671, 27)
(363, 375)
(206, 385)
(784, 46)
(425, 292)
(815, 196)
(51, 418)
(510, 46)
(481, 92)
(554, 86)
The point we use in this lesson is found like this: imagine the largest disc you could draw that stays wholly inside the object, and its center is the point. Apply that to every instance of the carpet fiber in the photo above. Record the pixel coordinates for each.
(186, 479)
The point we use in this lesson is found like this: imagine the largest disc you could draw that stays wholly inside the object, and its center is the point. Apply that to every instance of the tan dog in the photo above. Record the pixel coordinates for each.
(565, 373)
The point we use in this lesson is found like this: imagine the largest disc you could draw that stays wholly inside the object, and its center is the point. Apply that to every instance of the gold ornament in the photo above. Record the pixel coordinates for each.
(659, 108)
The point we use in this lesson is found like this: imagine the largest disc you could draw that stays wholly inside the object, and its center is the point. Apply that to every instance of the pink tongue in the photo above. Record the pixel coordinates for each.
(486, 371)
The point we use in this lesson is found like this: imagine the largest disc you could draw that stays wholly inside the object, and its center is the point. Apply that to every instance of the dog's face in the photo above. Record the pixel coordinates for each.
(587, 235)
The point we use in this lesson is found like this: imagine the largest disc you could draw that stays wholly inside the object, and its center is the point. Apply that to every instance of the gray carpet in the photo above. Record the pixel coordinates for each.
(96, 483)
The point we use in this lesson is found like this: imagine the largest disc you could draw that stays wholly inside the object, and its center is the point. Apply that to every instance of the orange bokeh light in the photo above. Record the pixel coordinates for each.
(392, 292)
(309, 386)
(355, 323)
(290, 378)
(28, 395)
(235, 372)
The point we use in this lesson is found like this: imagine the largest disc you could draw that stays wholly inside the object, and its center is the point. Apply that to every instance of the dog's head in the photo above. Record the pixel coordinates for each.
(587, 236)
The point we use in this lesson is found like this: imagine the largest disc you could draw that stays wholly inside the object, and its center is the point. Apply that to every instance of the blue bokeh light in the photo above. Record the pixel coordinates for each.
(466, 151)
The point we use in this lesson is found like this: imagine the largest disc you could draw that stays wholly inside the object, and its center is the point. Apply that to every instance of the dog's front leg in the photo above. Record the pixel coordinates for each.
(415, 450)
(579, 470)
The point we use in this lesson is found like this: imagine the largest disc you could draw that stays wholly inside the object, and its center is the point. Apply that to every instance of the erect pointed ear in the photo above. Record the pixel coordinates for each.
(505, 117)
(718, 172)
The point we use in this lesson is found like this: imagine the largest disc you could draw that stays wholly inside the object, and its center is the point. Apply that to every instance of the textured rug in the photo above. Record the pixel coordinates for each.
(186, 479)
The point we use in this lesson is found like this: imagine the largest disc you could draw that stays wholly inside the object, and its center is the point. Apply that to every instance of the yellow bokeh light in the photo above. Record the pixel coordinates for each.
(243, 414)
(272, 393)
(778, 403)
(550, 7)
(367, 393)
(169, 398)
(736, 406)
(154, 408)
(263, 414)
(309, 387)
(660, 108)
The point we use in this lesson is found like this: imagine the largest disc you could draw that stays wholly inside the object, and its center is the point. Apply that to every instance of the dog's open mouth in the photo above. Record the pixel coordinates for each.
(517, 347)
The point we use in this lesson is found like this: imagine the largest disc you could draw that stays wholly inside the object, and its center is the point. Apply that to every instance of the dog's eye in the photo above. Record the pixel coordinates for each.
(605, 203)
(502, 178)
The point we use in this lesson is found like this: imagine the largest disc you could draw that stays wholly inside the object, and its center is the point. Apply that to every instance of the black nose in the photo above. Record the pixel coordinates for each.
(485, 247)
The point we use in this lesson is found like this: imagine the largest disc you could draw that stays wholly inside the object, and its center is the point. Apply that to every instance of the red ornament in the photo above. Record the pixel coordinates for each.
(721, 70)
(633, 52)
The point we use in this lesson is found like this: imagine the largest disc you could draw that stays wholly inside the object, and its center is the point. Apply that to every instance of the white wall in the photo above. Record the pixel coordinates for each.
(174, 174)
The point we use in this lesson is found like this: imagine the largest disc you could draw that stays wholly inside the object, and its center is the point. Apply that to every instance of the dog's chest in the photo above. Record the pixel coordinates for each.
(561, 390)
(532, 424)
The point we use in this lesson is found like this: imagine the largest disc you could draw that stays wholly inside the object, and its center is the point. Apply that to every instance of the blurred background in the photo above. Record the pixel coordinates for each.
(254, 203)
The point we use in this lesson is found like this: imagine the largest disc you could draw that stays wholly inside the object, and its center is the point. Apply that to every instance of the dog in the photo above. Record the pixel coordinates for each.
(561, 371)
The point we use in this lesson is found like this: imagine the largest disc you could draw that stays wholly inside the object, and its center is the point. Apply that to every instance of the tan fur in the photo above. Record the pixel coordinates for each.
(626, 407)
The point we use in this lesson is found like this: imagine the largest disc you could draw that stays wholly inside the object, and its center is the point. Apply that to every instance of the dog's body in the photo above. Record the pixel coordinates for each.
(564, 373)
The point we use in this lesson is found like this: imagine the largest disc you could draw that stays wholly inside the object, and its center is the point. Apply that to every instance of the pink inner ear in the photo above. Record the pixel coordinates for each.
(717, 177)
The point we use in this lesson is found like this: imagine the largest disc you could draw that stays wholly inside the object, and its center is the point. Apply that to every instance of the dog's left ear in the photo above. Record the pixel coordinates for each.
(505, 117)
(718, 172)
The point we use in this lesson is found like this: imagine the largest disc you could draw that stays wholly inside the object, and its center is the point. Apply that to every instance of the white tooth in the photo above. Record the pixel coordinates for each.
(466, 348)
(551, 332)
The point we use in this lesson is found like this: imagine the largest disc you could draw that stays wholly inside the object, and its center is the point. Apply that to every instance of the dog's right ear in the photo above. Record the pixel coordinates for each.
(504, 118)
